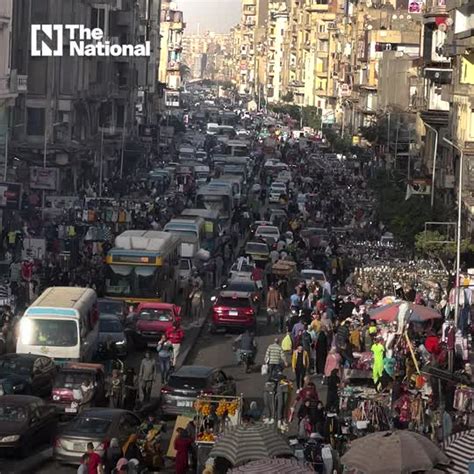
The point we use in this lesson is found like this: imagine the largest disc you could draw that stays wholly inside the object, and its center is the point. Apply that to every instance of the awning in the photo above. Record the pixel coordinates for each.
(460, 449)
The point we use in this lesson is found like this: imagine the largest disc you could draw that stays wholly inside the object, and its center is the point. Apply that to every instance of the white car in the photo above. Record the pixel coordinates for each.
(309, 274)
(268, 233)
(276, 190)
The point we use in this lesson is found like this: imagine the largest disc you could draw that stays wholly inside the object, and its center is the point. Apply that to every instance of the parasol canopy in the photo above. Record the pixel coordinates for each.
(244, 443)
(460, 449)
(417, 312)
(274, 466)
(393, 452)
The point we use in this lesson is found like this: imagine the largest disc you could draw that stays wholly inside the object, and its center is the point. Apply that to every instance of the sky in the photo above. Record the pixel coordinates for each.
(213, 15)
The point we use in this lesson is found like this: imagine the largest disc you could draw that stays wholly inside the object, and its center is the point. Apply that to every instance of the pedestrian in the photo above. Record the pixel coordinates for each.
(273, 298)
(219, 270)
(321, 352)
(300, 363)
(111, 456)
(175, 335)
(182, 445)
(283, 310)
(84, 466)
(275, 358)
(94, 460)
(197, 305)
(334, 382)
(165, 357)
(146, 375)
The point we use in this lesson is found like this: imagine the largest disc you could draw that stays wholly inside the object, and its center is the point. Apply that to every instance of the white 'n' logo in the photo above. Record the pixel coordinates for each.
(49, 46)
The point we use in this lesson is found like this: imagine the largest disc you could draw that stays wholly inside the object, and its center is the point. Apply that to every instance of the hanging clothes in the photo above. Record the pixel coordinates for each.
(377, 370)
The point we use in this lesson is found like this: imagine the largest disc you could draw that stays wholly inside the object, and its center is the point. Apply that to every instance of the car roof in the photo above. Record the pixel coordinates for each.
(30, 357)
(110, 300)
(156, 305)
(241, 279)
(234, 294)
(271, 228)
(109, 317)
(19, 400)
(193, 371)
(105, 413)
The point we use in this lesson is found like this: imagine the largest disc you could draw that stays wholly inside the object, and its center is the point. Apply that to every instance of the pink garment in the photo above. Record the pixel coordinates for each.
(333, 361)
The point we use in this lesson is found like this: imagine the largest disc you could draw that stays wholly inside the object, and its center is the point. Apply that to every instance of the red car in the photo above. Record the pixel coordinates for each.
(233, 309)
(151, 320)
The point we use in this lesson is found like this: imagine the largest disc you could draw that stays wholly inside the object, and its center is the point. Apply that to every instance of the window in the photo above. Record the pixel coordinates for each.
(98, 18)
(37, 74)
(322, 28)
(120, 120)
(35, 121)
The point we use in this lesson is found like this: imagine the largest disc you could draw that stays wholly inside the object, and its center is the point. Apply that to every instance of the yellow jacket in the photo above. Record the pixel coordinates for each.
(294, 358)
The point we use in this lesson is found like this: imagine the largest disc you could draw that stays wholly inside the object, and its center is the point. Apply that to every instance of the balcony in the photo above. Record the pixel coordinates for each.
(318, 6)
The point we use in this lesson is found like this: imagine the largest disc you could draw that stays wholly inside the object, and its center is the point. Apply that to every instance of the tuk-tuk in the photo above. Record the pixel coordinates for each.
(68, 394)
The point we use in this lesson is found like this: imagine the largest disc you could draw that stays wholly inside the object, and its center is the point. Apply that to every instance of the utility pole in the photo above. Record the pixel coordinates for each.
(101, 160)
(6, 156)
(435, 156)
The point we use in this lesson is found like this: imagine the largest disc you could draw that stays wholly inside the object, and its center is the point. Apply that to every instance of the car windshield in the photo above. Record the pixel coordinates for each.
(108, 307)
(256, 248)
(107, 325)
(244, 268)
(71, 379)
(151, 314)
(243, 286)
(233, 302)
(187, 382)
(49, 332)
(13, 413)
(16, 366)
(184, 265)
(89, 426)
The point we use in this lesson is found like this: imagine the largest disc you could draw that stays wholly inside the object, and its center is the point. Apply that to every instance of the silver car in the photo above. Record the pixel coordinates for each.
(97, 426)
(111, 329)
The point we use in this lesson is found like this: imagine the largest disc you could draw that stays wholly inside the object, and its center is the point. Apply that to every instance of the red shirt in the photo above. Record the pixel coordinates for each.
(94, 462)
(175, 336)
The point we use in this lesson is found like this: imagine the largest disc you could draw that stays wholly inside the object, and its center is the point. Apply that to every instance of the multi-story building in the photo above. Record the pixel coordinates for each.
(77, 112)
(11, 83)
(170, 71)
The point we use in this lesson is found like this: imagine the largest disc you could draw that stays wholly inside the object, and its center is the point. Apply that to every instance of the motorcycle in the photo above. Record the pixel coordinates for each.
(246, 358)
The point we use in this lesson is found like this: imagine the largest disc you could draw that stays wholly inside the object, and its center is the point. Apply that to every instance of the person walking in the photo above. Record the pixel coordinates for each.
(275, 358)
(175, 335)
(182, 445)
(273, 298)
(94, 460)
(197, 305)
(111, 456)
(300, 363)
(165, 356)
(146, 375)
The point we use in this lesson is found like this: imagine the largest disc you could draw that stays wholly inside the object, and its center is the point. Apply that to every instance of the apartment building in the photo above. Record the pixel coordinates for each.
(78, 113)
(170, 70)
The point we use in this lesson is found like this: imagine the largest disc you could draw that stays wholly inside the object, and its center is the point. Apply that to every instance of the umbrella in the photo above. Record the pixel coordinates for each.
(387, 300)
(460, 448)
(418, 313)
(245, 443)
(274, 466)
(393, 452)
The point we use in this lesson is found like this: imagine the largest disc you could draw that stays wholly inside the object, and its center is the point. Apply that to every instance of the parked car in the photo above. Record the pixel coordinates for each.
(67, 396)
(255, 225)
(94, 425)
(151, 320)
(309, 274)
(184, 385)
(26, 374)
(111, 328)
(258, 251)
(242, 269)
(233, 309)
(25, 422)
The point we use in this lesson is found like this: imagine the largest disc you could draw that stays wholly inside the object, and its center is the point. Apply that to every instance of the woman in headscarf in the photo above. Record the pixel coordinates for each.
(321, 351)
(182, 445)
(112, 455)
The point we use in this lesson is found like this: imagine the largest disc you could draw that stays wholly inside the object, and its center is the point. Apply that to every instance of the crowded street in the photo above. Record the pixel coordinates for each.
(236, 251)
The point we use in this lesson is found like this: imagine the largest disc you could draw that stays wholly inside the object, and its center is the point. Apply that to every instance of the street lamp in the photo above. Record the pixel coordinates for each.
(458, 237)
(435, 155)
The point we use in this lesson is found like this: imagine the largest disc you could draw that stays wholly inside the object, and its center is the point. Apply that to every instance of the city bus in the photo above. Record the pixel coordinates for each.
(211, 225)
(220, 199)
(190, 232)
(143, 266)
(62, 324)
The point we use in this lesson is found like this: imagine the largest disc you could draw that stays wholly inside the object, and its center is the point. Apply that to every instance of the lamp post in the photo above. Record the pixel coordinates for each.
(458, 236)
(435, 155)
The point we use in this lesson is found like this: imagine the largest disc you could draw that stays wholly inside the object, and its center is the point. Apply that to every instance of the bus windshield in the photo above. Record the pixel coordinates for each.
(49, 332)
(133, 281)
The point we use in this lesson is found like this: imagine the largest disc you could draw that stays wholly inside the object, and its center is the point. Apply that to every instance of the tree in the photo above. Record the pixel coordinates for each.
(288, 97)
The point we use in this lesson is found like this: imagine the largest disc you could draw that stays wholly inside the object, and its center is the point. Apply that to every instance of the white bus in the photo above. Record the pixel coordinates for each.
(61, 324)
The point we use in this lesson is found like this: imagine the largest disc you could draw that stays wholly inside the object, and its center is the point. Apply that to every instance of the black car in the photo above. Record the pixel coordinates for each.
(26, 374)
(184, 385)
(25, 422)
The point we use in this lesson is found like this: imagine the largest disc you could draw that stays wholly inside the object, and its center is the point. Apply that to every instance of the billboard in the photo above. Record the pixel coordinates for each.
(44, 178)
(10, 195)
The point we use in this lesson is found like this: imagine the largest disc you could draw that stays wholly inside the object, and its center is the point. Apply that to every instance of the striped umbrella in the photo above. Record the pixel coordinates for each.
(244, 443)
(274, 466)
(460, 449)
(418, 313)
(393, 452)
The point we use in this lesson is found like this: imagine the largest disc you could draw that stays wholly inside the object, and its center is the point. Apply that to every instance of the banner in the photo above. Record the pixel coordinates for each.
(10, 195)
(415, 6)
(44, 178)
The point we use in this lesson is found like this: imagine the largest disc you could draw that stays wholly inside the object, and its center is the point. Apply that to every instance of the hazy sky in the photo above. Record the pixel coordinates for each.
(213, 15)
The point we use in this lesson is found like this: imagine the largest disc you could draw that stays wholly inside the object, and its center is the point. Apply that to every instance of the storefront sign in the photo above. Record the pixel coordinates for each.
(415, 6)
(10, 195)
(44, 178)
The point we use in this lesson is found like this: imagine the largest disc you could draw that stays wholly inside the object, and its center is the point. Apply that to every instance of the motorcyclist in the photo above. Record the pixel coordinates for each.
(245, 343)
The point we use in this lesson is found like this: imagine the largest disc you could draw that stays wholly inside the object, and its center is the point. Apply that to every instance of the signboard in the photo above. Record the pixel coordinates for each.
(415, 6)
(10, 195)
(63, 202)
(345, 90)
(44, 178)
